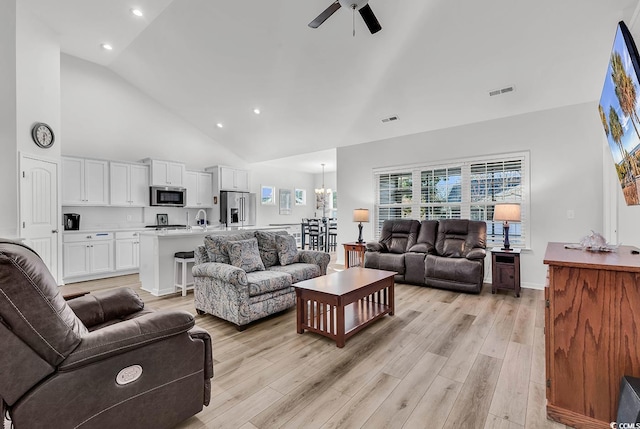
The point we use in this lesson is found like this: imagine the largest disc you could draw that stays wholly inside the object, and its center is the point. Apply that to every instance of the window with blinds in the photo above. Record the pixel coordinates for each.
(395, 196)
(465, 189)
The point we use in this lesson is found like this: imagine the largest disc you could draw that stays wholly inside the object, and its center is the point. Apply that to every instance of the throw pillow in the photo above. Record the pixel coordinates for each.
(267, 246)
(287, 249)
(216, 246)
(244, 254)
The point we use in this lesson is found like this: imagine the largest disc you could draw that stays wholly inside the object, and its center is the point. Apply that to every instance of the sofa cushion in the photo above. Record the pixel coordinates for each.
(267, 246)
(267, 281)
(426, 241)
(277, 297)
(458, 270)
(287, 249)
(298, 271)
(245, 254)
(399, 235)
(385, 261)
(456, 237)
(216, 245)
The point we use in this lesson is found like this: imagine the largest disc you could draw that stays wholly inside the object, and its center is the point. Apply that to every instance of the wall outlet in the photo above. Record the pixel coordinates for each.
(571, 214)
(128, 218)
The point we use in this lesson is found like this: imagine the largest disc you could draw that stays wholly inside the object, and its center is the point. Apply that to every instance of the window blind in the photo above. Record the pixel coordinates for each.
(464, 189)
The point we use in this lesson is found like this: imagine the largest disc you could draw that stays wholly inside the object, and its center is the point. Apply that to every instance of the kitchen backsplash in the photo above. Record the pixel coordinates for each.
(134, 217)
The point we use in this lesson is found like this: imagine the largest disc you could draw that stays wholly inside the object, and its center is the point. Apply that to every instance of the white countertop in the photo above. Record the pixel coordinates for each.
(196, 230)
(93, 230)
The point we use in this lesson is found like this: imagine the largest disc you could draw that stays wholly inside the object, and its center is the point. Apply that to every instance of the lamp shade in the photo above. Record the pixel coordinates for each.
(507, 212)
(361, 215)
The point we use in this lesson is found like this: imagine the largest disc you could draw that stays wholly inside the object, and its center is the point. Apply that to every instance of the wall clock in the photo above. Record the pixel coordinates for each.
(42, 135)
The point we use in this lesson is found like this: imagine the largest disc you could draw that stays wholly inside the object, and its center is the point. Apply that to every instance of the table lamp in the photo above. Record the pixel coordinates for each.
(506, 213)
(360, 215)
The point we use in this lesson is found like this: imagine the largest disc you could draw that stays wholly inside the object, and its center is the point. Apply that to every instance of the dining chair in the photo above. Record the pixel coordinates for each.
(315, 242)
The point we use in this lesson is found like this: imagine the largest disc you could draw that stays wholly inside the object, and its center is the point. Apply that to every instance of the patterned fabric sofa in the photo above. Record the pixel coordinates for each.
(247, 276)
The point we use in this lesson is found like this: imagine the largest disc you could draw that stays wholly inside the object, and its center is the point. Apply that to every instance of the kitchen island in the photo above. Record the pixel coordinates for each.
(157, 250)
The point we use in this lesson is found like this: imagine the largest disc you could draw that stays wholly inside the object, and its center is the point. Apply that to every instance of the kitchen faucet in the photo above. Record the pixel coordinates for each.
(204, 213)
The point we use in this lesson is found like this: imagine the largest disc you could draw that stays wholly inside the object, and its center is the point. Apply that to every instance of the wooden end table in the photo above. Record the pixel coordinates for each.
(505, 266)
(341, 304)
(354, 254)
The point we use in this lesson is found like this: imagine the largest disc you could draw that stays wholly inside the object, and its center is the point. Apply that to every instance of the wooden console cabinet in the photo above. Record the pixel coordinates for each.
(592, 332)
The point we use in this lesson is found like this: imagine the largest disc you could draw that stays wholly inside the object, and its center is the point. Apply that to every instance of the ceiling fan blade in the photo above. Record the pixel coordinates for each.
(370, 19)
(325, 15)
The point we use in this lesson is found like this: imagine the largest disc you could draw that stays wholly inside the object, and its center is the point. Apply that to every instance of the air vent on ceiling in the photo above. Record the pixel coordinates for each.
(390, 118)
(501, 91)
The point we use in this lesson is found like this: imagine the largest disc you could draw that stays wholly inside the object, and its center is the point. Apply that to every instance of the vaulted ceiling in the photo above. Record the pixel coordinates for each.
(432, 65)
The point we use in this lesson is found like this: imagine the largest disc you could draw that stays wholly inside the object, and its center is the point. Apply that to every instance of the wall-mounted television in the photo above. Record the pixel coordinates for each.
(619, 112)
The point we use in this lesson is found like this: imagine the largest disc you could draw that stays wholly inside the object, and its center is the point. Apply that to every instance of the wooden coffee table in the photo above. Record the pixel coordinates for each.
(341, 304)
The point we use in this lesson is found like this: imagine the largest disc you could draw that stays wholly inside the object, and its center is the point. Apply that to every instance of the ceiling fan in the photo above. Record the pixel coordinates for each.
(359, 5)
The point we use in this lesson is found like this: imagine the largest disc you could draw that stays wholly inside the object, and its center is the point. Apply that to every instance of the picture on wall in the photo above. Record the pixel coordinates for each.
(285, 201)
(268, 195)
(618, 108)
(301, 197)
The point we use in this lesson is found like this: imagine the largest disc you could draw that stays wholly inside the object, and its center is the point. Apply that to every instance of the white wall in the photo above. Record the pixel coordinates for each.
(37, 82)
(29, 93)
(8, 147)
(566, 172)
(268, 176)
(106, 117)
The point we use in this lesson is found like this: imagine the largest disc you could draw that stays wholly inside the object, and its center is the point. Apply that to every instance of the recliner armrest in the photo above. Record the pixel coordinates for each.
(203, 335)
(225, 272)
(127, 335)
(476, 253)
(376, 247)
(93, 309)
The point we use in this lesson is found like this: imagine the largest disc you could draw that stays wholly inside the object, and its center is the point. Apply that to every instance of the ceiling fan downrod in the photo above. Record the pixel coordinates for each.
(353, 9)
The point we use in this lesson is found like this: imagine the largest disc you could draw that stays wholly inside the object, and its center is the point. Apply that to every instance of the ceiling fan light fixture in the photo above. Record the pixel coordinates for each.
(106, 47)
(136, 12)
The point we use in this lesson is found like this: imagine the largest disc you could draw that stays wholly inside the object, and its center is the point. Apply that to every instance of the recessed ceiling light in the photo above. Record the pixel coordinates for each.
(136, 12)
(107, 46)
(256, 111)
(219, 125)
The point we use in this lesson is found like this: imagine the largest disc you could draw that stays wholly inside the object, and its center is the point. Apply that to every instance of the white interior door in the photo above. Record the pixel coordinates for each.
(39, 218)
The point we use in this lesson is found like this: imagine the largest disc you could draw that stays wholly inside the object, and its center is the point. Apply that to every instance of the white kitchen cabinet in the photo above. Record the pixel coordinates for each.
(127, 250)
(166, 173)
(229, 179)
(85, 182)
(199, 189)
(129, 184)
(87, 254)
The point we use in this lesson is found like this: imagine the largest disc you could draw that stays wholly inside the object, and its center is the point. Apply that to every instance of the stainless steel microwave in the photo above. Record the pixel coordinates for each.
(168, 196)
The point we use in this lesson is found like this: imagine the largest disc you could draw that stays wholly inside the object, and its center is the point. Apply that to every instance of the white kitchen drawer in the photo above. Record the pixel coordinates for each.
(95, 236)
(120, 235)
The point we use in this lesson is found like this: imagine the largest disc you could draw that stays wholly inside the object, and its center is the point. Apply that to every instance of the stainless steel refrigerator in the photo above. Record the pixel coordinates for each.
(237, 208)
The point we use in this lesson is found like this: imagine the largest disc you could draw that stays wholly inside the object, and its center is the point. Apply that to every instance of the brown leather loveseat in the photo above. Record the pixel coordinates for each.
(447, 253)
(99, 361)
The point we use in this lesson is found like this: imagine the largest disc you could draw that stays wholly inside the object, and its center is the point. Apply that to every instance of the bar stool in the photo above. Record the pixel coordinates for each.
(304, 226)
(314, 234)
(333, 234)
(184, 280)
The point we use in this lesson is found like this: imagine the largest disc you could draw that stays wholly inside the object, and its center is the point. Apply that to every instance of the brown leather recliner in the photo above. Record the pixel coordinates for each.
(99, 361)
(396, 238)
(446, 253)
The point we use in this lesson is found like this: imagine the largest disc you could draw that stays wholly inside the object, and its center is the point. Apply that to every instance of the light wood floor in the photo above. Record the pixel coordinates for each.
(444, 359)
